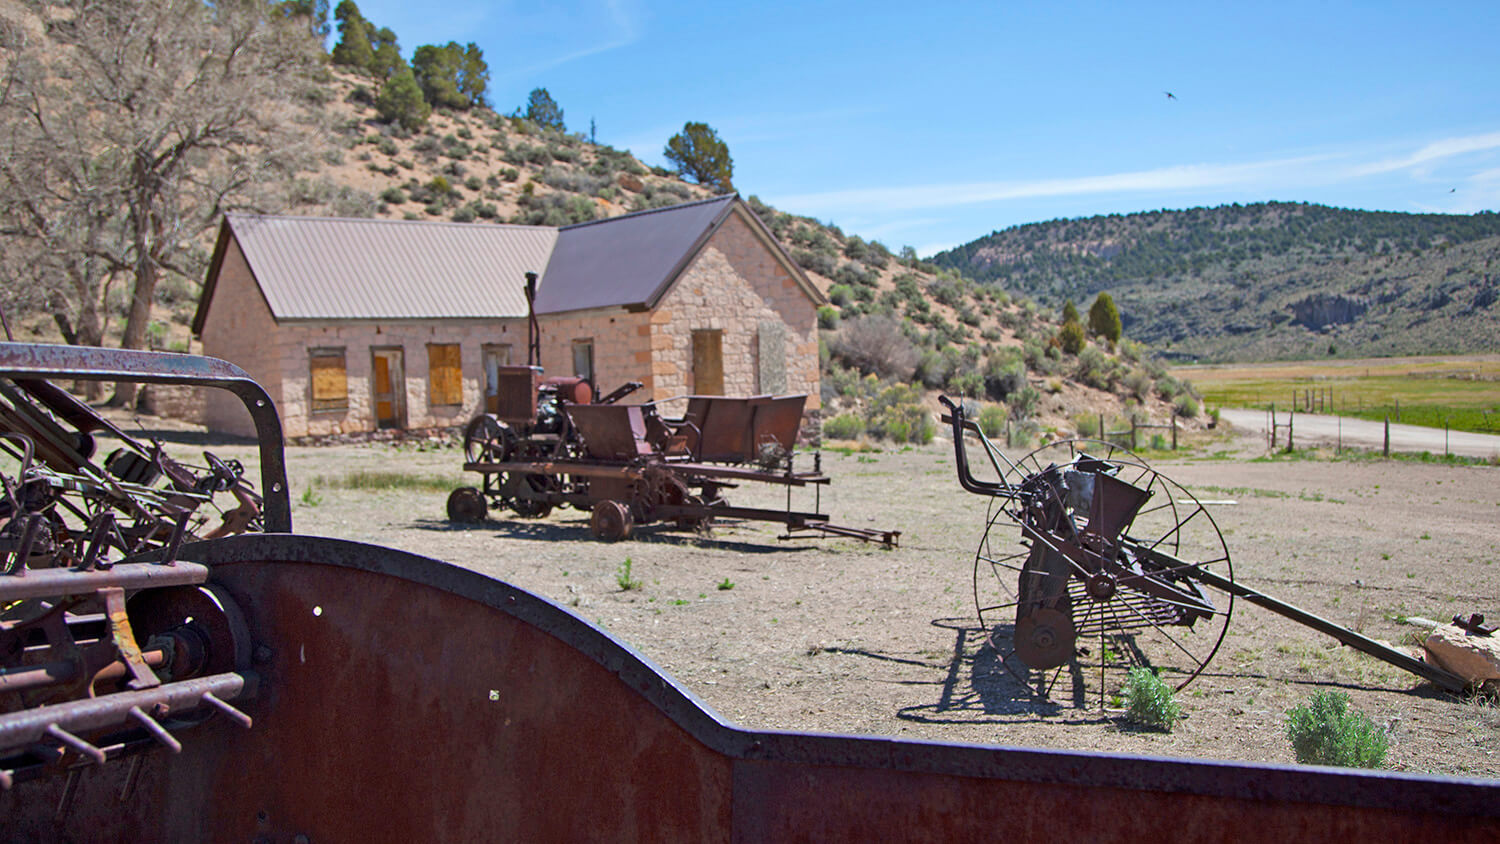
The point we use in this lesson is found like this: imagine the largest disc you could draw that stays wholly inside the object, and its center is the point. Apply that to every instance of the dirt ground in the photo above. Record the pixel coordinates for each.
(832, 635)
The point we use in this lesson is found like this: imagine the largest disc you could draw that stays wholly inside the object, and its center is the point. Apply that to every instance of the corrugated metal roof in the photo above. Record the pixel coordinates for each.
(626, 260)
(337, 268)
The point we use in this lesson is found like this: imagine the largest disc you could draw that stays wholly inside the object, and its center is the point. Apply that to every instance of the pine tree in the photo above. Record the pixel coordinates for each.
(1104, 318)
(544, 111)
(353, 49)
(401, 101)
(700, 155)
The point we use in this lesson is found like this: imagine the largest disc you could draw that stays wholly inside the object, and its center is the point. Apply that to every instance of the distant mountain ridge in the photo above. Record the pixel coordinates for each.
(1273, 280)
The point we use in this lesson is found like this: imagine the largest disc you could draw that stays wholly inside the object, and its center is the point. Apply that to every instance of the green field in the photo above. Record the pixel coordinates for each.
(1462, 393)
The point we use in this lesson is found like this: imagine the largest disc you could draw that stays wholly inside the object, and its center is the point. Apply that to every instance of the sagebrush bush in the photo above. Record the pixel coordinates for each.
(1187, 406)
(845, 426)
(1325, 732)
(1149, 701)
(992, 420)
(875, 344)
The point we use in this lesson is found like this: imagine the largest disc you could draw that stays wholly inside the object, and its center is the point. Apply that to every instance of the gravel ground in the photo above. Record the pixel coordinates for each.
(833, 635)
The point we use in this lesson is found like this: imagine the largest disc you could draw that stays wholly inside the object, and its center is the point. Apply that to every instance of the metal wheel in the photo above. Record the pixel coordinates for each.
(466, 504)
(1088, 573)
(488, 440)
(611, 521)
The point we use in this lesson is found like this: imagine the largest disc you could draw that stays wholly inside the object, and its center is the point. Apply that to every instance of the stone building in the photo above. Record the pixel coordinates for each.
(357, 324)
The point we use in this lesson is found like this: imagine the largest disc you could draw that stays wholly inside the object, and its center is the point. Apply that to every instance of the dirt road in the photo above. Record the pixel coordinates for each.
(1319, 429)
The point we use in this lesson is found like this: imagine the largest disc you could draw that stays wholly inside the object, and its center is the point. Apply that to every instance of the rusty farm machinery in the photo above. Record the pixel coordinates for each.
(272, 687)
(1117, 566)
(547, 444)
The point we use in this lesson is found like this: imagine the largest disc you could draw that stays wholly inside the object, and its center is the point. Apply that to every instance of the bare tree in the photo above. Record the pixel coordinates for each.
(128, 126)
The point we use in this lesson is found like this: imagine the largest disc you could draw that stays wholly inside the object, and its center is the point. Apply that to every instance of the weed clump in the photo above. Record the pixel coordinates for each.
(1149, 701)
(623, 578)
(1325, 732)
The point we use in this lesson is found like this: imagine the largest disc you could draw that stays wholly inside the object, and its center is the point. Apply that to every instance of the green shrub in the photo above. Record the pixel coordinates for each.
(1071, 337)
(1187, 406)
(623, 578)
(1150, 702)
(1325, 732)
(828, 317)
(845, 426)
(992, 420)
(1023, 402)
(1087, 424)
(393, 195)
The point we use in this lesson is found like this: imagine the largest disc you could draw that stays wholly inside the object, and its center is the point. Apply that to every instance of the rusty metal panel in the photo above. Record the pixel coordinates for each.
(611, 431)
(515, 393)
(777, 421)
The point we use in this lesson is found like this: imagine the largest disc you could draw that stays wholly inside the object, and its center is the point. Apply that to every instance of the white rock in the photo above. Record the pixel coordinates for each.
(1474, 658)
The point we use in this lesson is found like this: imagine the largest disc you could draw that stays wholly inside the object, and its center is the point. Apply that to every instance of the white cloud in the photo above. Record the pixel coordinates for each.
(1433, 152)
(625, 32)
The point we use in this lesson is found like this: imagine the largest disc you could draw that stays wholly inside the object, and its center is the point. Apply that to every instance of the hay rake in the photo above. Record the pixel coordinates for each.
(1119, 566)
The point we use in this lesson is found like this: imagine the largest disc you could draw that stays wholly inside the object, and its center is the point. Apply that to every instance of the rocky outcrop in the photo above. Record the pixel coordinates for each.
(1324, 309)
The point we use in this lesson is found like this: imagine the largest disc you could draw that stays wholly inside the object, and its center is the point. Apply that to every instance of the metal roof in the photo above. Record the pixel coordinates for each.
(344, 268)
(339, 268)
(627, 260)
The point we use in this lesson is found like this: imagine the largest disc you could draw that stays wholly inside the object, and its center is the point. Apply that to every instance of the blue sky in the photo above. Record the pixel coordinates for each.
(931, 124)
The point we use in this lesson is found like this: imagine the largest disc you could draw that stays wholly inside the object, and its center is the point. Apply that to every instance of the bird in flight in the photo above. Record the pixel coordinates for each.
(1170, 95)
(1452, 190)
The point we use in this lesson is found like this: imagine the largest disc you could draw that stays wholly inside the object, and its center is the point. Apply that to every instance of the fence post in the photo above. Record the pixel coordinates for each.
(1007, 432)
(1445, 436)
(1174, 432)
(1272, 431)
(1133, 446)
(1290, 418)
(1387, 448)
(1102, 435)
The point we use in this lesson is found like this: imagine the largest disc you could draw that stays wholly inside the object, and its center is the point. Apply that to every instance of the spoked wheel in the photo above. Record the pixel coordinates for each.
(488, 440)
(1088, 572)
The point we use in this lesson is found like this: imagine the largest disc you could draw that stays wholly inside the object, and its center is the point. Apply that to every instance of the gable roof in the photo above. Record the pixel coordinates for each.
(343, 268)
(630, 261)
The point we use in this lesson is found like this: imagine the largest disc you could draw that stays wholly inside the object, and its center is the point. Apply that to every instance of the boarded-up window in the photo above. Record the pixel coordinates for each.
(772, 357)
(445, 376)
(329, 381)
(708, 362)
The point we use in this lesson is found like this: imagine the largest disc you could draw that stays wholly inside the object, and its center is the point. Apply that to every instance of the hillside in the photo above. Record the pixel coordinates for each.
(897, 330)
(891, 316)
(1264, 281)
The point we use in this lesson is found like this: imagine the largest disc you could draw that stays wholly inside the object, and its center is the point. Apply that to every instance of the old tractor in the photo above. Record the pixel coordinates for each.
(1117, 566)
(549, 445)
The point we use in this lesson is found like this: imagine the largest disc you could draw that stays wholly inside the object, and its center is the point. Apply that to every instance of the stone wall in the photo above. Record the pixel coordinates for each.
(296, 341)
(734, 285)
(239, 328)
(622, 347)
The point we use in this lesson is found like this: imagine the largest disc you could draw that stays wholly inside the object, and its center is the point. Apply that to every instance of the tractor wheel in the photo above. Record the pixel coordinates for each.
(466, 504)
(611, 521)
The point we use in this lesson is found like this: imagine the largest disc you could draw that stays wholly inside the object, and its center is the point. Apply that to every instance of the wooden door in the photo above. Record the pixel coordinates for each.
(708, 362)
(390, 388)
